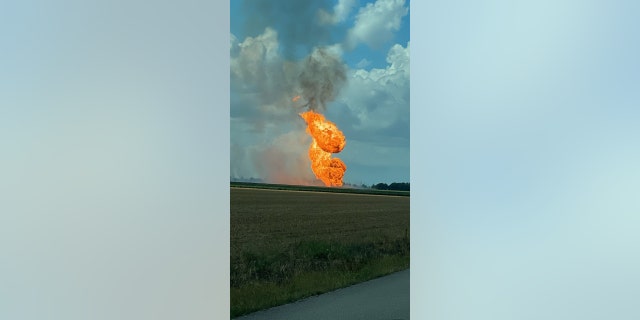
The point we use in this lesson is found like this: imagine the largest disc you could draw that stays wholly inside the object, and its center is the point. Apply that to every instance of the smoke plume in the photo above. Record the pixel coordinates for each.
(321, 77)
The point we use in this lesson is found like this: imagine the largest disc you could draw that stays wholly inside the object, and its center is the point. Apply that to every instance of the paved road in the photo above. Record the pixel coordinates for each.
(385, 298)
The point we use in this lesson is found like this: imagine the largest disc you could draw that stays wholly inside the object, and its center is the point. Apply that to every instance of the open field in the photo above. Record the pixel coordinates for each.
(287, 245)
(318, 188)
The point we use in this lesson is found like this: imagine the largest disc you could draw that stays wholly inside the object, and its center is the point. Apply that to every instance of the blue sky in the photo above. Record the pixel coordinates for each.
(371, 38)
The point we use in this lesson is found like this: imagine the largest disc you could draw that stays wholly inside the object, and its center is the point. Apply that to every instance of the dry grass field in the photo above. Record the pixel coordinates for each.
(286, 245)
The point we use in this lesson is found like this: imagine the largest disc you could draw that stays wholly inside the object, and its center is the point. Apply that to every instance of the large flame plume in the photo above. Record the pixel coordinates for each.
(321, 76)
(327, 139)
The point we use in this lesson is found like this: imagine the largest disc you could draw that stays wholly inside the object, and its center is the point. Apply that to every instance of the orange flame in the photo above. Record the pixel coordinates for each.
(327, 139)
(296, 98)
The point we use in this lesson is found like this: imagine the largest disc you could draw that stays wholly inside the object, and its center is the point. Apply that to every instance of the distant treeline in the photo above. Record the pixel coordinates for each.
(395, 186)
(399, 186)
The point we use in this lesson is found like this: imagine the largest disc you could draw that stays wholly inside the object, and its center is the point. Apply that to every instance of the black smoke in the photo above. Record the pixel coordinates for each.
(322, 75)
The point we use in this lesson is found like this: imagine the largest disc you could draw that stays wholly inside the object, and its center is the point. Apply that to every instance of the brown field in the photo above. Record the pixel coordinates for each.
(262, 219)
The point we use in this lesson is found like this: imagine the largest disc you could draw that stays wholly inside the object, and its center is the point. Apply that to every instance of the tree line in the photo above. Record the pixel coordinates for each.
(399, 186)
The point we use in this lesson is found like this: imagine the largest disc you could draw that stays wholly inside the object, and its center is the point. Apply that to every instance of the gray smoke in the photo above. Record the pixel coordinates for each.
(297, 22)
(271, 64)
(321, 77)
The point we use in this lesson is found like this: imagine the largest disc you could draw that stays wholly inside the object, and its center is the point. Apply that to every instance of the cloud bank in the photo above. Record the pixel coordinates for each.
(376, 23)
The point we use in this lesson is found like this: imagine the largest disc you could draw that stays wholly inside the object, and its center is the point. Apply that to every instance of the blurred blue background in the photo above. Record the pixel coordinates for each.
(114, 160)
(525, 122)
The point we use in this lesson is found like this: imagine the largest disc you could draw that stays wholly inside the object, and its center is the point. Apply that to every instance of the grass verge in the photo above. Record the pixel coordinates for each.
(260, 281)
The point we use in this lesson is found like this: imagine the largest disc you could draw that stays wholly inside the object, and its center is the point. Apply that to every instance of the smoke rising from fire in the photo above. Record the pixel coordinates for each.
(321, 77)
(263, 83)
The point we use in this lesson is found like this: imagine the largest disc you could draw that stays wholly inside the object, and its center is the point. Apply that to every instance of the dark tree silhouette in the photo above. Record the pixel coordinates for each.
(398, 186)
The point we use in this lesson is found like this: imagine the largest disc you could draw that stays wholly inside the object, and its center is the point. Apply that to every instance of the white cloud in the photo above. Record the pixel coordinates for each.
(363, 63)
(234, 42)
(262, 82)
(340, 12)
(377, 119)
(249, 63)
(376, 23)
(379, 98)
(336, 49)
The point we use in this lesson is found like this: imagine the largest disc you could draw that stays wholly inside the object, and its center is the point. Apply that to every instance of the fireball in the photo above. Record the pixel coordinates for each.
(327, 139)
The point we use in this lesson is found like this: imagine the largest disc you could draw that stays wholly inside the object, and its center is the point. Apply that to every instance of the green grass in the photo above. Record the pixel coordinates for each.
(286, 246)
(311, 268)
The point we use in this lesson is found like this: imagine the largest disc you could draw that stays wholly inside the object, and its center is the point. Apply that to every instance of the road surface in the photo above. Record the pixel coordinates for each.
(385, 298)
